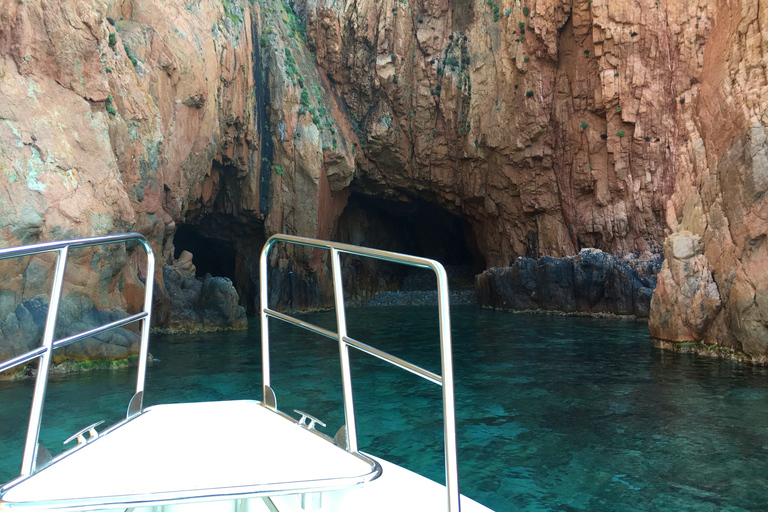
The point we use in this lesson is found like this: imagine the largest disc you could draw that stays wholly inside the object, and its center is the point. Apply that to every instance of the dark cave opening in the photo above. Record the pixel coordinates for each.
(222, 245)
(210, 256)
(415, 227)
(224, 248)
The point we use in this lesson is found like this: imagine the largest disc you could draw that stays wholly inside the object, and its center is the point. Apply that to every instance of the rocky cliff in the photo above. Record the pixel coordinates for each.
(472, 131)
(712, 287)
(547, 126)
(118, 117)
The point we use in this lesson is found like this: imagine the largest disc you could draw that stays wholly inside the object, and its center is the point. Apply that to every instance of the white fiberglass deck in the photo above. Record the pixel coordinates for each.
(198, 450)
(396, 490)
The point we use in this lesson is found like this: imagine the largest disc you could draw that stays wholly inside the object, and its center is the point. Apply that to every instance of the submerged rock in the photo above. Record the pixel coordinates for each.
(590, 282)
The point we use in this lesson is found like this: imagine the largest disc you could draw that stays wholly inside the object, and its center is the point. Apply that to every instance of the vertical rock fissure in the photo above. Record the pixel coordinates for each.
(261, 93)
(673, 144)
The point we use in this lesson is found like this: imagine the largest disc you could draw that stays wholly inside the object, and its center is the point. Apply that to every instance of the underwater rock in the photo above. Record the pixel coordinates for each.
(591, 282)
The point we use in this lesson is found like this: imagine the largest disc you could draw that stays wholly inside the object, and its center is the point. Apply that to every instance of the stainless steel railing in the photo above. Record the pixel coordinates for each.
(45, 350)
(445, 380)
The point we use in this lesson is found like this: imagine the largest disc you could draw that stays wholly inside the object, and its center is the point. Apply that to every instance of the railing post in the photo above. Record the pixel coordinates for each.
(449, 408)
(146, 324)
(38, 399)
(449, 412)
(44, 352)
(346, 374)
(263, 305)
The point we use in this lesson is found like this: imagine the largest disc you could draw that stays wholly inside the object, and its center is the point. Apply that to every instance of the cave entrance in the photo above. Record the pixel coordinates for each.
(223, 248)
(221, 230)
(210, 256)
(414, 227)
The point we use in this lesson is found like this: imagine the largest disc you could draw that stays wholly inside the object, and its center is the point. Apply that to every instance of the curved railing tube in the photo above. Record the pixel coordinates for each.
(445, 380)
(48, 345)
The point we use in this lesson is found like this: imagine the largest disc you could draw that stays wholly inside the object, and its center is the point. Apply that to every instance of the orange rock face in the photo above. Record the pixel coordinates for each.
(119, 118)
(548, 128)
(720, 195)
(592, 124)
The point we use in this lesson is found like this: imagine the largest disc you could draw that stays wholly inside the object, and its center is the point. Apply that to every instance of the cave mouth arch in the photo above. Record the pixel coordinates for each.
(222, 230)
(414, 227)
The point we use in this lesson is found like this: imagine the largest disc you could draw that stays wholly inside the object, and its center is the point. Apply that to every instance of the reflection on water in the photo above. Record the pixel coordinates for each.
(554, 413)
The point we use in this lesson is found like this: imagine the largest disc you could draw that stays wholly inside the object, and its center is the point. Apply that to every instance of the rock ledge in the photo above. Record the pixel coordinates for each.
(592, 282)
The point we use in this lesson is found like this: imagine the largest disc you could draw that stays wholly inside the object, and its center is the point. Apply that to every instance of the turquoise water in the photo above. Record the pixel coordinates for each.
(555, 414)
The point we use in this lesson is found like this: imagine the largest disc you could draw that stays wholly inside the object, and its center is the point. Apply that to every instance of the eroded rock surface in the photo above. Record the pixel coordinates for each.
(548, 126)
(686, 300)
(22, 329)
(592, 282)
(121, 116)
(199, 303)
(542, 127)
(712, 291)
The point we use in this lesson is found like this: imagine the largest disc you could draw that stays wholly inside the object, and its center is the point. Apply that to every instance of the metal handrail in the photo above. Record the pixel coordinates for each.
(44, 352)
(443, 303)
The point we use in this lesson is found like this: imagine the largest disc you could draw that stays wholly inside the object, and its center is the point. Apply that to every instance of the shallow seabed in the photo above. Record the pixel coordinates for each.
(555, 413)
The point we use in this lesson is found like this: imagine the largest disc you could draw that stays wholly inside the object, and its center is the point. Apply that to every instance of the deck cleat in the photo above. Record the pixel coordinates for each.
(312, 420)
(80, 436)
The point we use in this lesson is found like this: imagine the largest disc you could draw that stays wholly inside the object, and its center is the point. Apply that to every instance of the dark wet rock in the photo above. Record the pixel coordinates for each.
(590, 282)
(419, 298)
(23, 327)
(295, 288)
(555, 283)
(20, 327)
(78, 313)
(219, 304)
(199, 304)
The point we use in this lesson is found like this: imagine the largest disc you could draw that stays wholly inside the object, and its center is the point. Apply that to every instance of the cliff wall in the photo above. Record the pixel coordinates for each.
(520, 128)
(114, 117)
(712, 287)
(549, 126)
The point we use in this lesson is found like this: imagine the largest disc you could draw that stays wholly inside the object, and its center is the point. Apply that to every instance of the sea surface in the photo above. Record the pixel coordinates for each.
(555, 413)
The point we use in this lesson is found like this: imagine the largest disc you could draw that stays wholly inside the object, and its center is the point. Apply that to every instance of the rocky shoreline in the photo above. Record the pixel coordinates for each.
(63, 365)
(592, 283)
(707, 350)
(419, 298)
(196, 304)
